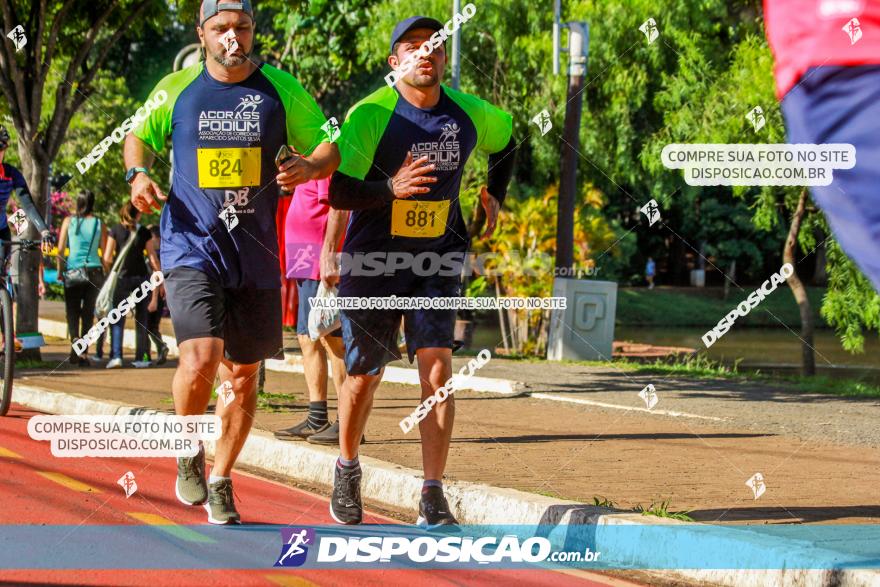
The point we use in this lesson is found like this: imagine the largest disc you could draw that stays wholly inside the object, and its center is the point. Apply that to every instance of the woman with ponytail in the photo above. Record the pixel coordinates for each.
(83, 271)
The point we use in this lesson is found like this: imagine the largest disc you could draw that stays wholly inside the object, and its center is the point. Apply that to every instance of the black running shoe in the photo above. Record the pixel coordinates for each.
(328, 436)
(345, 503)
(302, 430)
(434, 510)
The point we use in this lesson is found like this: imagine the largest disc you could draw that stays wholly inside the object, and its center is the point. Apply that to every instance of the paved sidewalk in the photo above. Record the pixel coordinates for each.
(578, 451)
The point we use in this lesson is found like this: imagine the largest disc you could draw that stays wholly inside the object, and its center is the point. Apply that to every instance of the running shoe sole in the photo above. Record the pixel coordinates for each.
(338, 521)
(423, 523)
(183, 501)
(213, 520)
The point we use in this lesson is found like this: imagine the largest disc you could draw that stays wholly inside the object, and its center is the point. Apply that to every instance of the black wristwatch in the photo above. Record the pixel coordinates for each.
(129, 175)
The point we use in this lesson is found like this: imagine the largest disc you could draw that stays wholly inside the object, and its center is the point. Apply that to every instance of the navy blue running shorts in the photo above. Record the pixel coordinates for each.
(370, 336)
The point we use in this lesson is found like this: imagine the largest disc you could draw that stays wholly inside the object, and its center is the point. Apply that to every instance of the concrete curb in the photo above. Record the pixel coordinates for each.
(293, 363)
(472, 503)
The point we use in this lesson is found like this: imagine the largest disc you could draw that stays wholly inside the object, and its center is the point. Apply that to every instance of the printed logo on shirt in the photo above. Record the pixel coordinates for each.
(444, 153)
(241, 124)
(239, 200)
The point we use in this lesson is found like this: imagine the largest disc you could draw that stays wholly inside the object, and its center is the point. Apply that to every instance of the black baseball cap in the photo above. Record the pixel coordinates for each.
(212, 7)
(413, 22)
(4, 137)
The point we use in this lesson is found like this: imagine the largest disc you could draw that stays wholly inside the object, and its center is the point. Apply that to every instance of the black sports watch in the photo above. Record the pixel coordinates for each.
(129, 175)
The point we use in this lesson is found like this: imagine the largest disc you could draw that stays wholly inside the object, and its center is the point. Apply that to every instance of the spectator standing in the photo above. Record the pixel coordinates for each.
(132, 274)
(156, 307)
(83, 273)
(305, 225)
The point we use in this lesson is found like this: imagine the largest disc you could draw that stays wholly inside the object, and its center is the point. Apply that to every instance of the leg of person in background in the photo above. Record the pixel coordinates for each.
(90, 296)
(315, 366)
(335, 350)
(117, 330)
(73, 302)
(314, 358)
(154, 320)
(142, 337)
(99, 346)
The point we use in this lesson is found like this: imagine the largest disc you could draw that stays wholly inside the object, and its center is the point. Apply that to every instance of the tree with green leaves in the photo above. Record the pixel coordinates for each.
(48, 81)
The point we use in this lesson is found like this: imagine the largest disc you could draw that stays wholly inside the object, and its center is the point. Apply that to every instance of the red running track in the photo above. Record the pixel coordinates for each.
(39, 489)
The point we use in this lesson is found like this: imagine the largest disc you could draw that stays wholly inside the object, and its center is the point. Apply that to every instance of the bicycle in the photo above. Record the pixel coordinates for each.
(7, 358)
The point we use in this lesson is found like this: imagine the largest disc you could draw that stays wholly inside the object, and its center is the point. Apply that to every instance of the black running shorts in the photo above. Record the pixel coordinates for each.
(247, 319)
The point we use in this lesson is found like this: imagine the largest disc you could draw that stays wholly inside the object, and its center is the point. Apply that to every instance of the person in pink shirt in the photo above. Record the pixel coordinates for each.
(827, 55)
(304, 230)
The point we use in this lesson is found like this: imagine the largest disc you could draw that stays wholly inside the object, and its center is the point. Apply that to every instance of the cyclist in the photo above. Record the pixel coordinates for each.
(426, 132)
(227, 116)
(12, 181)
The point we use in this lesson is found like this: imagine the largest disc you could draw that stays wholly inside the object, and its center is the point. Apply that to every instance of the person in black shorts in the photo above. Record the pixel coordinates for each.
(228, 117)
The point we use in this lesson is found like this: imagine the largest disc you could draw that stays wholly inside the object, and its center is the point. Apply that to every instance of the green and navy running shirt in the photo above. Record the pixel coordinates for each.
(377, 134)
(225, 137)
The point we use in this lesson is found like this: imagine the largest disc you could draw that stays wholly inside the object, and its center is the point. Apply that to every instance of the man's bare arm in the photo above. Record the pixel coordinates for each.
(337, 220)
(320, 164)
(144, 191)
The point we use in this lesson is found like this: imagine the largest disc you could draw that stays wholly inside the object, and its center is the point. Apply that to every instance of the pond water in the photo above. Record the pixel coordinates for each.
(767, 349)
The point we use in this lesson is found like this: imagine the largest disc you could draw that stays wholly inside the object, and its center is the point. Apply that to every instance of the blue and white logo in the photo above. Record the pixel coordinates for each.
(294, 549)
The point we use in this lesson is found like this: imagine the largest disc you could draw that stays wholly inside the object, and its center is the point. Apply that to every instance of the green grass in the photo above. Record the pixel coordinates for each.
(267, 402)
(603, 502)
(276, 402)
(661, 510)
(700, 367)
(33, 364)
(704, 307)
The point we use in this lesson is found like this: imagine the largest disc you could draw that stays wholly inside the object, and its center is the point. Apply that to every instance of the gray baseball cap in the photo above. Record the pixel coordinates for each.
(212, 7)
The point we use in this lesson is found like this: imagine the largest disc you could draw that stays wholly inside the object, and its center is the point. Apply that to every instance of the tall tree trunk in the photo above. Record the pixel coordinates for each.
(808, 357)
(820, 275)
(730, 278)
(28, 301)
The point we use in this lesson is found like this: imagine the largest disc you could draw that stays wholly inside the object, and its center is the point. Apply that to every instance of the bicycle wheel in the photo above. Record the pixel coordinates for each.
(8, 355)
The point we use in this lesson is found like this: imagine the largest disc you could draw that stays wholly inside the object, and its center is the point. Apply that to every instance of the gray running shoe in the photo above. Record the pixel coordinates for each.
(191, 487)
(221, 503)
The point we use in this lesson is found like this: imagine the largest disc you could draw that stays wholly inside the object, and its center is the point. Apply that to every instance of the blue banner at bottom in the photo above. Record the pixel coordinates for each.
(633, 546)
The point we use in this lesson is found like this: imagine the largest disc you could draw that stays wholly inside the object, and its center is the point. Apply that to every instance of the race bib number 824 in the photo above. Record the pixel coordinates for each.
(229, 168)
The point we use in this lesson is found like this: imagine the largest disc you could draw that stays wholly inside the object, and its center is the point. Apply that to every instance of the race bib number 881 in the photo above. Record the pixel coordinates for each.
(419, 218)
(228, 168)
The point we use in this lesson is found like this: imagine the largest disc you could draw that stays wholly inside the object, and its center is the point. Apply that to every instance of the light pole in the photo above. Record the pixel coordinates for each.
(456, 48)
(578, 48)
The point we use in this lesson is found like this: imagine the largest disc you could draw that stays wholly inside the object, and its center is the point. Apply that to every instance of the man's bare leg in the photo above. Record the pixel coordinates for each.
(238, 416)
(194, 378)
(355, 402)
(336, 352)
(435, 368)
(315, 367)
